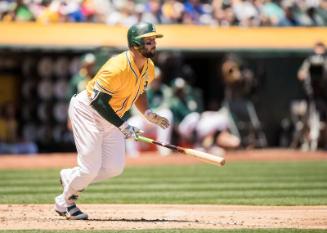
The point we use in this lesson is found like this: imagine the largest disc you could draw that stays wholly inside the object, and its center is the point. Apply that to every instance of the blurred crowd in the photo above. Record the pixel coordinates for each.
(245, 13)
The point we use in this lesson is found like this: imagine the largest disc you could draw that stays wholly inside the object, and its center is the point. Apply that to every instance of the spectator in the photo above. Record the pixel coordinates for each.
(316, 19)
(243, 13)
(152, 12)
(50, 12)
(273, 12)
(17, 11)
(246, 12)
(124, 14)
(72, 11)
(289, 19)
(88, 9)
(321, 10)
(172, 11)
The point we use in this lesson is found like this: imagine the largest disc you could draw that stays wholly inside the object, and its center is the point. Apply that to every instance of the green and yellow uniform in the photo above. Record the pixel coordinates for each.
(120, 78)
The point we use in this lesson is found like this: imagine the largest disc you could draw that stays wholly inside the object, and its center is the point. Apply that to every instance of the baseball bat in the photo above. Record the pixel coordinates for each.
(206, 157)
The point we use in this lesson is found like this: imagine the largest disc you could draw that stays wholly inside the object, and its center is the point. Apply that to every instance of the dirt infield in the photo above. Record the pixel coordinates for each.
(118, 217)
(105, 217)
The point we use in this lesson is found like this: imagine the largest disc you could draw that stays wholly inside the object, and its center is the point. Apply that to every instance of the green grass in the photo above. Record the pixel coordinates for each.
(180, 231)
(250, 183)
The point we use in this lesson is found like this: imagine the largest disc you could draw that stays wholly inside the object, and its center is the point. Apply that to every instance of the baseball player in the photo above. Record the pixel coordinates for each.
(97, 115)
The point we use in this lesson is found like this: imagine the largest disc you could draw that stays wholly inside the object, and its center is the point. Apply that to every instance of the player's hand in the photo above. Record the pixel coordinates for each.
(130, 131)
(302, 75)
(156, 119)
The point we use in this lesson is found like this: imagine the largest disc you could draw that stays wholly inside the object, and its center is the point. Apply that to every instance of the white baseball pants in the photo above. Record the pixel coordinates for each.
(204, 124)
(100, 147)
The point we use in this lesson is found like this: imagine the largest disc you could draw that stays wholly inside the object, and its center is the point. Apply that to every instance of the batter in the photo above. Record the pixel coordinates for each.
(97, 117)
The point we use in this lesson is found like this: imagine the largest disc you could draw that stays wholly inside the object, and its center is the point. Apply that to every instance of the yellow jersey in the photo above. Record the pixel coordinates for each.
(120, 78)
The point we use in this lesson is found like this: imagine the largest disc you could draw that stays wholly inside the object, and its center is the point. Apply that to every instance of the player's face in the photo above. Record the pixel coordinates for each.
(320, 50)
(149, 49)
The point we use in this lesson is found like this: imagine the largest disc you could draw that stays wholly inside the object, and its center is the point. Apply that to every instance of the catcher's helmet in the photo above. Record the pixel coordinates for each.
(138, 31)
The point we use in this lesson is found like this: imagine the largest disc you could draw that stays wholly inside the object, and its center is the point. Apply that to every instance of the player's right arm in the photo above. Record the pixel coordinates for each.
(304, 70)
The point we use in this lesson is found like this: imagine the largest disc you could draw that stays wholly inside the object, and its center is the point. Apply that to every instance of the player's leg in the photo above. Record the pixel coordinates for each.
(88, 140)
(188, 125)
(113, 155)
(211, 122)
(212, 130)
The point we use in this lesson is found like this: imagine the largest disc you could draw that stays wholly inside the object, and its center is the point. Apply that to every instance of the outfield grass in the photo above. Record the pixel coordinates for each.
(250, 183)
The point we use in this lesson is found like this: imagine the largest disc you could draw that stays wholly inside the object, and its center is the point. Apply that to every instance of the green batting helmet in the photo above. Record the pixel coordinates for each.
(138, 31)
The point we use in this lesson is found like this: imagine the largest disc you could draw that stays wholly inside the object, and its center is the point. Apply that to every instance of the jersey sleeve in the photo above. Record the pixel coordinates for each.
(305, 65)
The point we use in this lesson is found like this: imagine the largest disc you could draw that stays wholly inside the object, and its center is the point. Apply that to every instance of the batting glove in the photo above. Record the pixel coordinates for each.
(156, 119)
(130, 131)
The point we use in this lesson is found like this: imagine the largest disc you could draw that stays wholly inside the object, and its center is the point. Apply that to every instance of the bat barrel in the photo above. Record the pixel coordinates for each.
(213, 159)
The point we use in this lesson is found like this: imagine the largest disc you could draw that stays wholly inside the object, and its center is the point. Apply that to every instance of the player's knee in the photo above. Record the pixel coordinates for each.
(111, 172)
(167, 113)
(89, 174)
(107, 174)
(117, 172)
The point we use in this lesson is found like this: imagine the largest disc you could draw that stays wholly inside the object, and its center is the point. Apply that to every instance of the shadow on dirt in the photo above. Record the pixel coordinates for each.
(137, 220)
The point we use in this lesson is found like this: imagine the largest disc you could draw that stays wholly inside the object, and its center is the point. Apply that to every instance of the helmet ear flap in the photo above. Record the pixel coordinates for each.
(138, 43)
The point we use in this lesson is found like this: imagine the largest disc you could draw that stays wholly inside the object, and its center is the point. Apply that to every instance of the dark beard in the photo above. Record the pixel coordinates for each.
(147, 54)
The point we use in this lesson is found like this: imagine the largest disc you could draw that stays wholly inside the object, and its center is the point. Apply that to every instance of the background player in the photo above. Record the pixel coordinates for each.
(97, 117)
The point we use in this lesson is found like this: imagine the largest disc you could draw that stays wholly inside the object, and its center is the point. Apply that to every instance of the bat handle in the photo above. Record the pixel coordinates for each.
(143, 139)
(169, 146)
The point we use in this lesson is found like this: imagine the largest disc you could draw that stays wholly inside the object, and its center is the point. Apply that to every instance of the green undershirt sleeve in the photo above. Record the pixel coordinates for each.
(100, 104)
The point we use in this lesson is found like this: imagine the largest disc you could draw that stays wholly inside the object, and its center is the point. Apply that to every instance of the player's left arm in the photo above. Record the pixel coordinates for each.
(143, 106)
(142, 103)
